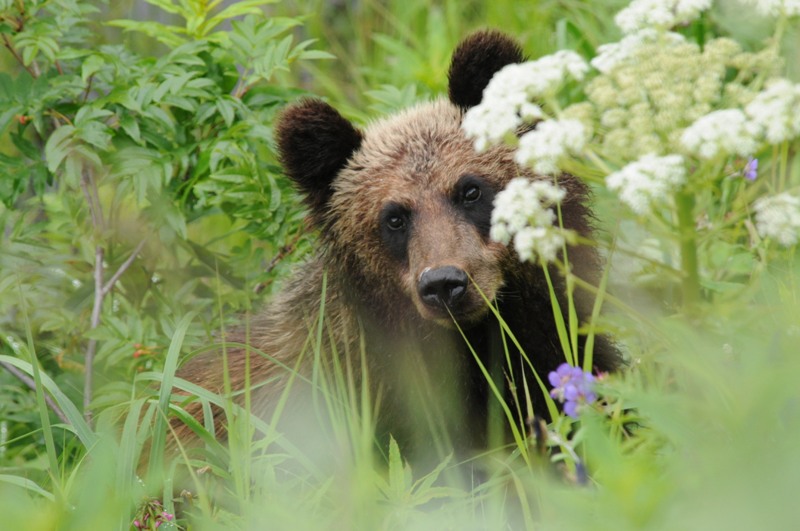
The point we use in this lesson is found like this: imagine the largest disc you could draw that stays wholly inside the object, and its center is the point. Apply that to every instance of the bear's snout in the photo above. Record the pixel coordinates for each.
(443, 287)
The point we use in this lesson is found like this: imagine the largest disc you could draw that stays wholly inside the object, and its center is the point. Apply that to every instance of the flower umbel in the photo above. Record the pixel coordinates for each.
(724, 132)
(572, 387)
(649, 180)
(774, 110)
(776, 8)
(524, 211)
(552, 140)
(507, 99)
(661, 14)
(778, 218)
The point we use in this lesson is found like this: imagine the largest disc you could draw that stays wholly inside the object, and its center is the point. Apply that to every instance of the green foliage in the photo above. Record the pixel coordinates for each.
(152, 139)
(152, 166)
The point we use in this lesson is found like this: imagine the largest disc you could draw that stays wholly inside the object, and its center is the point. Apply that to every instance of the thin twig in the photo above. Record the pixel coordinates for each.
(27, 380)
(16, 55)
(92, 347)
(88, 88)
(100, 292)
(122, 268)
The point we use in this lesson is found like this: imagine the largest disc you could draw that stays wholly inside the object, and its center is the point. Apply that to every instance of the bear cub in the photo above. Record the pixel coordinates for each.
(396, 293)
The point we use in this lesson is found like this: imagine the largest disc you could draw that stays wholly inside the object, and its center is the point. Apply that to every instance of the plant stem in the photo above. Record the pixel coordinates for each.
(92, 347)
(688, 246)
(101, 287)
(28, 381)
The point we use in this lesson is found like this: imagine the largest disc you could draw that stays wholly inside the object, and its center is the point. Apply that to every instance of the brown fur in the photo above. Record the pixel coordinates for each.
(418, 364)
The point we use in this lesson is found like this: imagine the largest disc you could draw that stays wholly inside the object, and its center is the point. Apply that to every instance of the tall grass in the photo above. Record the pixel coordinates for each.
(698, 433)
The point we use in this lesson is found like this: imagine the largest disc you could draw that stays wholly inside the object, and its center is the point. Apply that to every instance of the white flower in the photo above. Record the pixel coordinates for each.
(727, 132)
(524, 212)
(776, 8)
(777, 111)
(497, 117)
(648, 180)
(778, 218)
(661, 14)
(508, 98)
(612, 54)
(551, 140)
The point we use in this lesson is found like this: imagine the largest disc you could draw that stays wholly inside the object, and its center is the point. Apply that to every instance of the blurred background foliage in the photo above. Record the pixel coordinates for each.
(143, 129)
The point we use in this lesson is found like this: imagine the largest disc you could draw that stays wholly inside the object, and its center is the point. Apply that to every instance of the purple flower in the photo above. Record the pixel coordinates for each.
(573, 387)
(750, 170)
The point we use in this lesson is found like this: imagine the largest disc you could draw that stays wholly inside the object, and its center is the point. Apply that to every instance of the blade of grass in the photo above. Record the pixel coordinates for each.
(519, 439)
(170, 366)
(588, 349)
(558, 316)
(26, 484)
(44, 413)
(76, 422)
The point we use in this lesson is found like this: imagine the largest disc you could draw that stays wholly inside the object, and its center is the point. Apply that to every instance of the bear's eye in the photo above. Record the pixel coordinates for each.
(473, 197)
(471, 193)
(395, 222)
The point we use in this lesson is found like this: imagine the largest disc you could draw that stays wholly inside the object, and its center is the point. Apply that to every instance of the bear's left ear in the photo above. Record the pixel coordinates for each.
(476, 60)
(314, 144)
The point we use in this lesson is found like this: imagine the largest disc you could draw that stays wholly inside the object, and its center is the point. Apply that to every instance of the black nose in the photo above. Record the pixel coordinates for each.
(442, 287)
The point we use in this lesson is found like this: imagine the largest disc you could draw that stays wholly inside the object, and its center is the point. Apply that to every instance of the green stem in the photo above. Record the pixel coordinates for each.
(688, 244)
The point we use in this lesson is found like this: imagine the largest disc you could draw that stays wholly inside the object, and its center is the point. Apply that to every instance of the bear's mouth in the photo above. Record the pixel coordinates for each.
(463, 314)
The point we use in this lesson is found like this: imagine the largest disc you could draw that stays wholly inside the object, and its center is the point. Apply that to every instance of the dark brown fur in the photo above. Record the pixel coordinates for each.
(428, 383)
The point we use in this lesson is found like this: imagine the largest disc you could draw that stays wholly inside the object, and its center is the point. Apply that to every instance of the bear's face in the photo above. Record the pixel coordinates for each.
(405, 206)
(413, 207)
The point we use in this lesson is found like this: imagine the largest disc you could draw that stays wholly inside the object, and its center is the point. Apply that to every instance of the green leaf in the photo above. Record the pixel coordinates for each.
(26, 484)
(399, 473)
(58, 146)
(91, 65)
(226, 110)
(87, 437)
(163, 33)
(130, 125)
(170, 366)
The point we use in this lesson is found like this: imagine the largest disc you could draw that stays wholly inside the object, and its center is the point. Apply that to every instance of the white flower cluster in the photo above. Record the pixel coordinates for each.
(776, 110)
(524, 211)
(661, 14)
(648, 180)
(541, 148)
(727, 132)
(778, 218)
(776, 8)
(507, 99)
(612, 54)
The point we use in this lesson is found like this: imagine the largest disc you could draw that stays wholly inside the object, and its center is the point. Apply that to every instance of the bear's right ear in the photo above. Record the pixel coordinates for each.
(475, 61)
(314, 143)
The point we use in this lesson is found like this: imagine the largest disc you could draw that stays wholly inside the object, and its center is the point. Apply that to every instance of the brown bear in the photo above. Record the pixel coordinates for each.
(403, 272)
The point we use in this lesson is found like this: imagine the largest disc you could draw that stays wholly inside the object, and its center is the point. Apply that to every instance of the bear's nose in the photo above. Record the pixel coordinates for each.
(442, 287)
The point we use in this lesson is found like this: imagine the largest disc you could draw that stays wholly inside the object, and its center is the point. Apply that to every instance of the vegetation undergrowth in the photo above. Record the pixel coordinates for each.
(144, 213)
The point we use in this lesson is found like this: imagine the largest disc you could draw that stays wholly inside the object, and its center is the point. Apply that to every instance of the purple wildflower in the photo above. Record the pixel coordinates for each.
(750, 170)
(573, 387)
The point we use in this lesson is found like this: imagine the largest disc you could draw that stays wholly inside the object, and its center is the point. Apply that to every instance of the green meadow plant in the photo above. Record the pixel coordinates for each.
(142, 206)
(692, 133)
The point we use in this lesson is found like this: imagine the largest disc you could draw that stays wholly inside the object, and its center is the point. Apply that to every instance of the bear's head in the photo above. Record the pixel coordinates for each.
(404, 206)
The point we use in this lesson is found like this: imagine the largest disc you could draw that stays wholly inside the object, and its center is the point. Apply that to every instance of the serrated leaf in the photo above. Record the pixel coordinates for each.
(90, 66)
(58, 146)
(316, 54)
(130, 125)
(397, 472)
(163, 33)
(226, 110)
